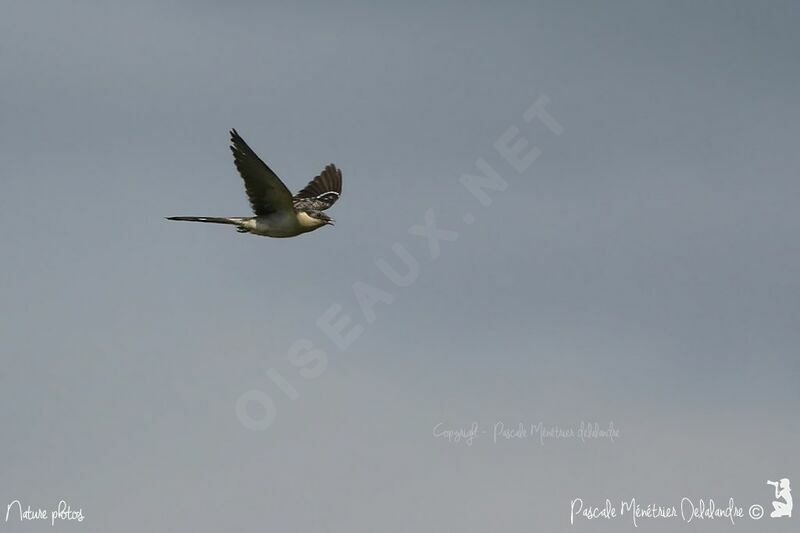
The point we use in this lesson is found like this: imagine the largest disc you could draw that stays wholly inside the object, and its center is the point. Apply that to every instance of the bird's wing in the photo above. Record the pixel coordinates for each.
(266, 191)
(323, 190)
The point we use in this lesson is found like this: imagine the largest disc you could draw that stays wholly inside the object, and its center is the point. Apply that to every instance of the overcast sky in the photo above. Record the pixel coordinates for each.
(643, 270)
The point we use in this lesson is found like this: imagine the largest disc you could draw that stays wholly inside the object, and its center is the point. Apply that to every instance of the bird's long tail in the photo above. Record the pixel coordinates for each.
(213, 220)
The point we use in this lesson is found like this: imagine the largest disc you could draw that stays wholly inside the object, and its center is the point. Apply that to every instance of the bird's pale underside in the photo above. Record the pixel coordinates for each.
(277, 212)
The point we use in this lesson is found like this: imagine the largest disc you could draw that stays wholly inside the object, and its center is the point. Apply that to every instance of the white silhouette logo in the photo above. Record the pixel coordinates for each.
(782, 492)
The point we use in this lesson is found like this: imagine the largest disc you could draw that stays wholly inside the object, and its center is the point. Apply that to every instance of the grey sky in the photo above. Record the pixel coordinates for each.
(642, 271)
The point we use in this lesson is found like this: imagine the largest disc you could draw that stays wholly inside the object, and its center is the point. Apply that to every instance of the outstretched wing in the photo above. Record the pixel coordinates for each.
(323, 191)
(266, 191)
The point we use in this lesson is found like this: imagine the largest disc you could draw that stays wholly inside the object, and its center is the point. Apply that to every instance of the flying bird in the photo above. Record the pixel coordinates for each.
(277, 212)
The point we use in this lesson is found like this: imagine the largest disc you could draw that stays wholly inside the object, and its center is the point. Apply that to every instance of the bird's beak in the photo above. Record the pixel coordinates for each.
(331, 222)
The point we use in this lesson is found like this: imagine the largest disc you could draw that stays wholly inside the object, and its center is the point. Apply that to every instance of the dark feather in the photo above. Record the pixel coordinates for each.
(323, 191)
(265, 190)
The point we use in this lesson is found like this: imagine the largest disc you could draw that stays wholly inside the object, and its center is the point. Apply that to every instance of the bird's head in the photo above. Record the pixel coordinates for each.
(317, 218)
